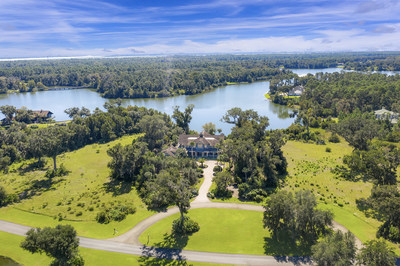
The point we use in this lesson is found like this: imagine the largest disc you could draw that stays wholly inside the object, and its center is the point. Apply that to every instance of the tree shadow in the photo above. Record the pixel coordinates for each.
(25, 168)
(346, 174)
(173, 241)
(166, 252)
(285, 245)
(364, 206)
(117, 187)
(39, 186)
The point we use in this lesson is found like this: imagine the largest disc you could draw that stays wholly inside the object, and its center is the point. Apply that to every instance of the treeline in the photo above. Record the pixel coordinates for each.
(377, 162)
(332, 94)
(135, 77)
(167, 76)
(19, 141)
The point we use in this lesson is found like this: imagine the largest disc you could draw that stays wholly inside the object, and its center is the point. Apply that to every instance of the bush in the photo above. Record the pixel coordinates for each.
(217, 169)
(334, 138)
(184, 227)
(3, 196)
(102, 217)
(117, 213)
(61, 171)
(222, 193)
(328, 149)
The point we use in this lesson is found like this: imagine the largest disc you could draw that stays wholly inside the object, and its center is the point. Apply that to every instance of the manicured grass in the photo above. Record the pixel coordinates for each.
(77, 197)
(221, 230)
(9, 247)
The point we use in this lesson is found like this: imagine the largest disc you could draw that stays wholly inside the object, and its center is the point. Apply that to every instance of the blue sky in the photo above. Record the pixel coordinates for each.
(57, 28)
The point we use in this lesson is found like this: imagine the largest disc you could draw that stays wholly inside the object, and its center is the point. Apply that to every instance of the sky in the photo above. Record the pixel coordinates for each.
(69, 28)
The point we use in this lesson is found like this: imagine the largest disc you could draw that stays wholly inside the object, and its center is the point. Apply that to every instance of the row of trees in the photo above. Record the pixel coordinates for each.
(166, 76)
(21, 142)
(340, 249)
(135, 77)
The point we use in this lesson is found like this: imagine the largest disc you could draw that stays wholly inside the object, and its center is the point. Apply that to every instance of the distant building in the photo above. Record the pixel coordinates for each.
(386, 114)
(202, 145)
(41, 115)
(296, 91)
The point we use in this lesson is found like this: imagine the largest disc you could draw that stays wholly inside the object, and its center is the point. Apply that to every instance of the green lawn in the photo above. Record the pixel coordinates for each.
(9, 247)
(221, 230)
(77, 197)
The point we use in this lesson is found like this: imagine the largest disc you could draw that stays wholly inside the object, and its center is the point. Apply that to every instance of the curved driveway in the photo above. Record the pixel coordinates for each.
(128, 242)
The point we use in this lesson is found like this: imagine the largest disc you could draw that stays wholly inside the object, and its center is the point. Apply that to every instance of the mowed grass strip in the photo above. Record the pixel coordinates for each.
(221, 230)
(10, 247)
(77, 197)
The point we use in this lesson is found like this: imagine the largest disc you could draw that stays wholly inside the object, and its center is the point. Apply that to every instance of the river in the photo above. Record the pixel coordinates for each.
(303, 72)
(209, 106)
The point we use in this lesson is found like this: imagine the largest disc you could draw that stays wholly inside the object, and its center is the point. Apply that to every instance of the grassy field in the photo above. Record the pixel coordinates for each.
(221, 230)
(309, 167)
(9, 247)
(77, 197)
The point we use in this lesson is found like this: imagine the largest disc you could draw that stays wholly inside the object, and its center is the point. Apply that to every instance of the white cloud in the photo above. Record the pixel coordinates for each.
(351, 40)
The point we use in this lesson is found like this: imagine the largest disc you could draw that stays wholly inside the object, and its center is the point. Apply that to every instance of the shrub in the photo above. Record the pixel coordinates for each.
(184, 227)
(328, 149)
(334, 138)
(217, 169)
(102, 217)
(61, 171)
(117, 213)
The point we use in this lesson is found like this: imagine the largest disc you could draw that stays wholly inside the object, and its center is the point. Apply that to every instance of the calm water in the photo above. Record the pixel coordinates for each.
(304, 72)
(209, 107)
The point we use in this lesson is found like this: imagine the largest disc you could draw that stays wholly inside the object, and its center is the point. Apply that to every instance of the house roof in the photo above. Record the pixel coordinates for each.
(170, 151)
(384, 111)
(203, 138)
(43, 113)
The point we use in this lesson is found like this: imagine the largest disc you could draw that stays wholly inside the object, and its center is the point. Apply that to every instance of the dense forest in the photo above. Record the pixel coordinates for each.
(332, 94)
(146, 77)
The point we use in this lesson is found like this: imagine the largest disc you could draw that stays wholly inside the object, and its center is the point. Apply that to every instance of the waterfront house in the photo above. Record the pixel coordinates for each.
(202, 145)
(41, 115)
(296, 91)
(386, 114)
